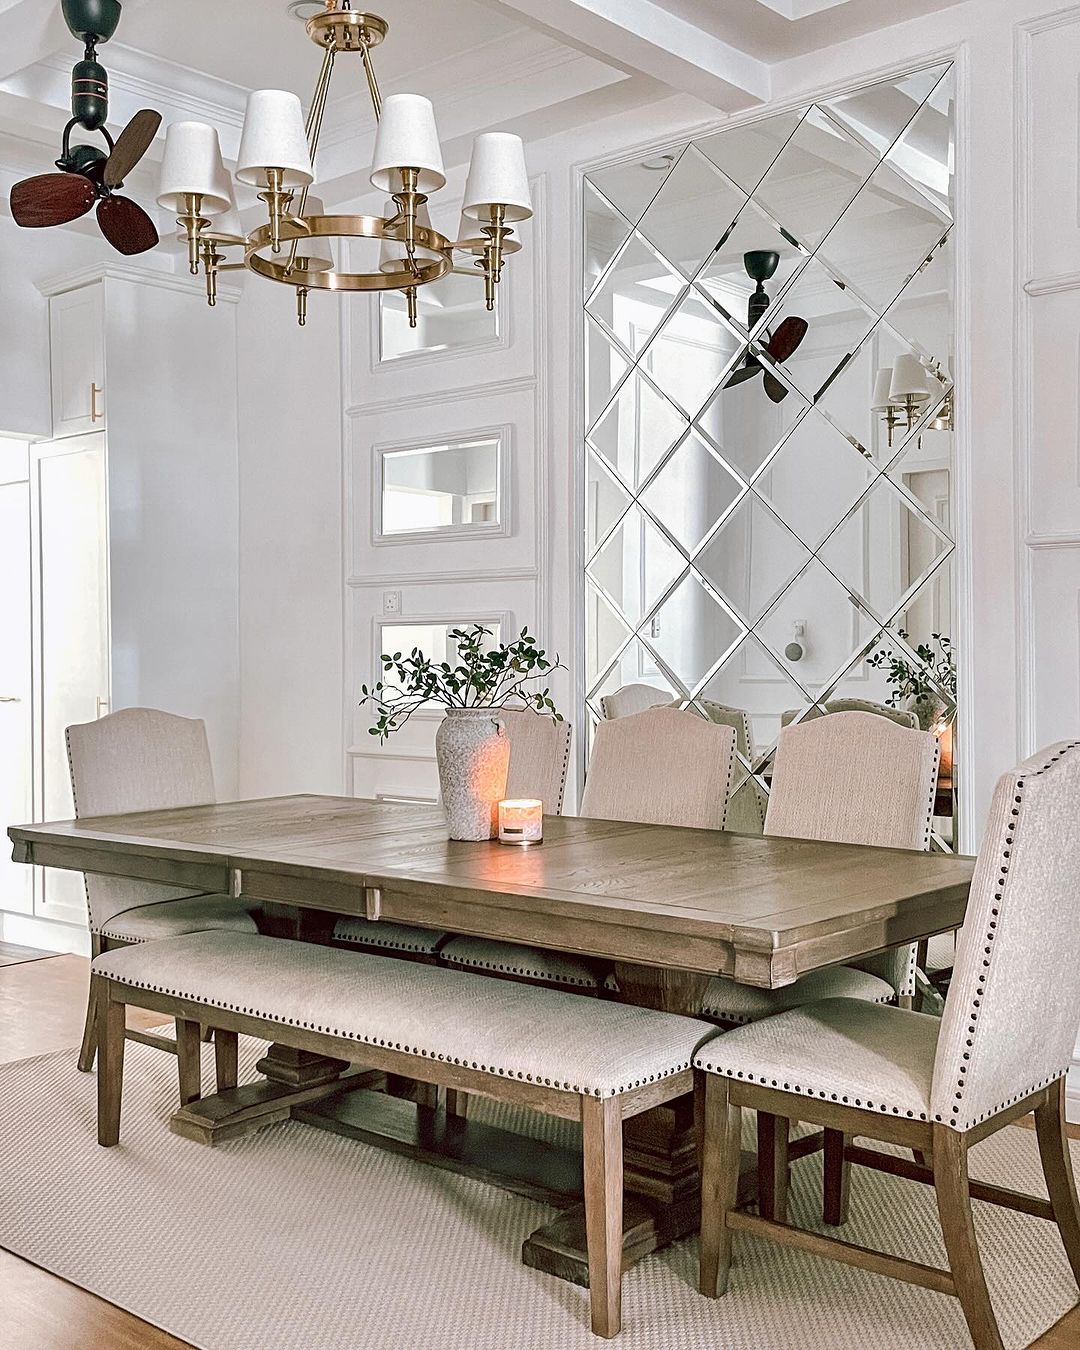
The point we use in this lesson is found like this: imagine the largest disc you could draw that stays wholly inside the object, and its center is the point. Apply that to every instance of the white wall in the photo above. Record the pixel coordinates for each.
(290, 544)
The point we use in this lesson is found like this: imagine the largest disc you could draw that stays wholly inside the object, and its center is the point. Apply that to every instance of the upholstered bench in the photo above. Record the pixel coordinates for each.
(581, 1059)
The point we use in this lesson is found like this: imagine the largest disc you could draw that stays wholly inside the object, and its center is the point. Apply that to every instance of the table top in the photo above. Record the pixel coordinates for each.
(764, 910)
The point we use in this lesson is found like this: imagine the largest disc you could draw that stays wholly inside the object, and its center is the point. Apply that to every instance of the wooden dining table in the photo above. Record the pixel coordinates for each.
(664, 908)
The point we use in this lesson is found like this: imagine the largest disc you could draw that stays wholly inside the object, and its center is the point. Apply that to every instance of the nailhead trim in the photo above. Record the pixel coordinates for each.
(615, 1091)
(521, 971)
(988, 942)
(399, 945)
(764, 1080)
(75, 803)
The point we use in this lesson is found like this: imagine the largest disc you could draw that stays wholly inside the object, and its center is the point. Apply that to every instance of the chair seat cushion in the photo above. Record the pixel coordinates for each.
(542, 1036)
(731, 1002)
(189, 914)
(528, 963)
(393, 937)
(940, 953)
(841, 1050)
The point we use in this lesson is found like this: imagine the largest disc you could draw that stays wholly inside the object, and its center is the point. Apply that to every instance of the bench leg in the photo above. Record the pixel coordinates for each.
(837, 1178)
(188, 1041)
(110, 1078)
(773, 1166)
(601, 1125)
(226, 1051)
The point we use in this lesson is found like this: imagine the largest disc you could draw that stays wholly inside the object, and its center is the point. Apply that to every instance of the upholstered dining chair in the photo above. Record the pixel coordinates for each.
(746, 807)
(1000, 1051)
(903, 717)
(852, 778)
(539, 759)
(631, 699)
(140, 759)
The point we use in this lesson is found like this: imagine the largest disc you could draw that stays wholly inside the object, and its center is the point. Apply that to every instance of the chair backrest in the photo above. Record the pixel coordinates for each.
(857, 778)
(539, 757)
(903, 717)
(631, 699)
(1011, 1015)
(660, 767)
(746, 809)
(137, 759)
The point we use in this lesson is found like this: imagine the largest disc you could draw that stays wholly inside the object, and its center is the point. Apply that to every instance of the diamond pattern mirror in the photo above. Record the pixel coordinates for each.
(768, 404)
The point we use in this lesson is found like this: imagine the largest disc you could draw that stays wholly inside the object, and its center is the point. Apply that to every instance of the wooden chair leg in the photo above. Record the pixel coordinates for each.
(721, 1164)
(88, 1049)
(773, 1166)
(958, 1230)
(601, 1126)
(189, 1059)
(226, 1050)
(206, 1034)
(1058, 1172)
(457, 1103)
(110, 1078)
(837, 1179)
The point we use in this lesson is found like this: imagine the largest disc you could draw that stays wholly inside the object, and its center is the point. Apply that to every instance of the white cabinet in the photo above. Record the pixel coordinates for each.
(72, 600)
(77, 340)
(16, 670)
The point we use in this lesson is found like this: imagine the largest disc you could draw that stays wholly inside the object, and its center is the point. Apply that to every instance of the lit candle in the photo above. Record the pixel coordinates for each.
(521, 822)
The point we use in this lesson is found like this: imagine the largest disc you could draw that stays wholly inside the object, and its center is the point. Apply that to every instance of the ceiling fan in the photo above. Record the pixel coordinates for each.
(761, 265)
(89, 174)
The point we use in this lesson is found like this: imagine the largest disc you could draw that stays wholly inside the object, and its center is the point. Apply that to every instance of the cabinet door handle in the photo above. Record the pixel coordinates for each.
(94, 392)
(9, 698)
(102, 706)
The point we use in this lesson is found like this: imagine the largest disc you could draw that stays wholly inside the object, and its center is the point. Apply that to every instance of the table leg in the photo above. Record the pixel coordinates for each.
(663, 1200)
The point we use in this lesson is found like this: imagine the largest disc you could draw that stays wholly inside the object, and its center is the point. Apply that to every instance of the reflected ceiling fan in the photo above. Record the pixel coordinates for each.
(89, 174)
(761, 265)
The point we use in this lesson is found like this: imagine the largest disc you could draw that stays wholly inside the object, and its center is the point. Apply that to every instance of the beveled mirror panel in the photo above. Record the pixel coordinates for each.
(451, 315)
(453, 488)
(769, 335)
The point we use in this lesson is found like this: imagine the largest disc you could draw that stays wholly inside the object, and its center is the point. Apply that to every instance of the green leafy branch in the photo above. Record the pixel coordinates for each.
(922, 683)
(484, 677)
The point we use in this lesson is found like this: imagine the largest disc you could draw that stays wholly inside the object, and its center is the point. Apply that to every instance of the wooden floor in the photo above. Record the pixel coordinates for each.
(42, 1003)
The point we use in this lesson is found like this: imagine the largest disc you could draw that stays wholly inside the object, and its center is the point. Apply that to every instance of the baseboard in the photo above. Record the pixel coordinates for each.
(27, 931)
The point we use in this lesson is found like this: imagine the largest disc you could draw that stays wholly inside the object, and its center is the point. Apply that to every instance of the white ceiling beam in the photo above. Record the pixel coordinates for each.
(642, 37)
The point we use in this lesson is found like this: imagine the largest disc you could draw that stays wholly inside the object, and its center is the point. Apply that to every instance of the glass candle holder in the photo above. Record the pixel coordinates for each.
(521, 821)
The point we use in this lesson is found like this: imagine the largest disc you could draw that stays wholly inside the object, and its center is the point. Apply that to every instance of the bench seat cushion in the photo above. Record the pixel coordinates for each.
(527, 963)
(841, 1050)
(730, 1002)
(540, 1036)
(189, 914)
(391, 937)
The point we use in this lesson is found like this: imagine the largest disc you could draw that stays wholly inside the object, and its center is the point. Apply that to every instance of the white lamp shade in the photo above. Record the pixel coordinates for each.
(229, 224)
(192, 164)
(407, 139)
(909, 380)
(392, 252)
(274, 138)
(882, 401)
(497, 177)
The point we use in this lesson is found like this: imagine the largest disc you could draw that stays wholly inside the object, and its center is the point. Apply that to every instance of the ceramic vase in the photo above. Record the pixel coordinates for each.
(473, 753)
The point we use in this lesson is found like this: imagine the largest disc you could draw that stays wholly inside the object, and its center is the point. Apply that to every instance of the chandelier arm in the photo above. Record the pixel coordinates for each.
(313, 131)
(372, 82)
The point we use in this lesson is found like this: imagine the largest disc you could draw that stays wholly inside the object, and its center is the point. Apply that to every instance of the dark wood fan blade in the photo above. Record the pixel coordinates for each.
(787, 339)
(126, 225)
(51, 199)
(743, 373)
(132, 143)
(775, 389)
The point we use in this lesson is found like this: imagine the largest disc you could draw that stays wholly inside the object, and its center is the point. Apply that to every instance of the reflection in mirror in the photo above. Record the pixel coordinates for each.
(769, 466)
(440, 487)
(451, 313)
(432, 638)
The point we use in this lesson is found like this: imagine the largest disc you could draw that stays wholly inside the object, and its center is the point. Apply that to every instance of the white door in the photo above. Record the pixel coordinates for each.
(16, 671)
(77, 336)
(73, 598)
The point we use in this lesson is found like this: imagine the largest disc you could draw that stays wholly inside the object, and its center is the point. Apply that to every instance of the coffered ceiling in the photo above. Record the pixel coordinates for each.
(536, 68)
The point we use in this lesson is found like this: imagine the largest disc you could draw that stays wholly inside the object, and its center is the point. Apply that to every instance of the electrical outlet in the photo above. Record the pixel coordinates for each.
(391, 602)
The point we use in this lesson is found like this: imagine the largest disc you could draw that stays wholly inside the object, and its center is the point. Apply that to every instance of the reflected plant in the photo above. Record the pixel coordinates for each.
(484, 677)
(919, 686)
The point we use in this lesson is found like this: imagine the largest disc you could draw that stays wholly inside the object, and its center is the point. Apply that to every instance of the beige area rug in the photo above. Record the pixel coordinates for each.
(295, 1239)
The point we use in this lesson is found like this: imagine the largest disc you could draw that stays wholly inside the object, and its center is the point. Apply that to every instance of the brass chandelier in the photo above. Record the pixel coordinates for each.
(277, 154)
